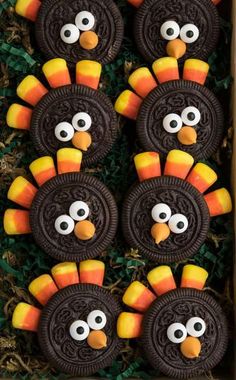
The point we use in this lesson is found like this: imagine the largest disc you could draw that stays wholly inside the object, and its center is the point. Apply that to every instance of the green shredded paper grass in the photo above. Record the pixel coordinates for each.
(20, 258)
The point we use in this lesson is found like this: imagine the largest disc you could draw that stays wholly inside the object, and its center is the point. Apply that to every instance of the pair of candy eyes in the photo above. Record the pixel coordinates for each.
(161, 213)
(81, 122)
(79, 330)
(78, 211)
(170, 30)
(70, 33)
(177, 332)
(190, 116)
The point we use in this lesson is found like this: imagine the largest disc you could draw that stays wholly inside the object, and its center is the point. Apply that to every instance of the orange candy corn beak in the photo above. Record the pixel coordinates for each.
(84, 230)
(187, 136)
(88, 40)
(176, 48)
(82, 140)
(97, 340)
(160, 232)
(191, 347)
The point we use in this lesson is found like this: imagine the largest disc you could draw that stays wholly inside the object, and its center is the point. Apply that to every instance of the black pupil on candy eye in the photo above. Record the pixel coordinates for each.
(64, 226)
(162, 215)
(173, 124)
(197, 326)
(189, 34)
(80, 212)
(191, 116)
(81, 123)
(98, 319)
(178, 334)
(67, 33)
(180, 225)
(170, 32)
(85, 21)
(80, 330)
(63, 134)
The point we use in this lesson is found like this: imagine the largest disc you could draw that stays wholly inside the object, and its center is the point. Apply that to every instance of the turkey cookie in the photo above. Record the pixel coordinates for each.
(166, 216)
(180, 28)
(66, 115)
(75, 29)
(72, 215)
(183, 332)
(176, 113)
(77, 324)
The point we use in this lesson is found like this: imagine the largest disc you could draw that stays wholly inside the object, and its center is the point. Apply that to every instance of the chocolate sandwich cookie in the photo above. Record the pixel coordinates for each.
(75, 29)
(67, 114)
(72, 215)
(182, 332)
(182, 29)
(77, 324)
(166, 217)
(177, 113)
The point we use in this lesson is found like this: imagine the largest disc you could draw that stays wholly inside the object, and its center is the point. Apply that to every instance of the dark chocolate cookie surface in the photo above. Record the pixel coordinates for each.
(55, 199)
(63, 105)
(181, 198)
(153, 14)
(179, 306)
(102, 17)
(71, 304)
(173, 99)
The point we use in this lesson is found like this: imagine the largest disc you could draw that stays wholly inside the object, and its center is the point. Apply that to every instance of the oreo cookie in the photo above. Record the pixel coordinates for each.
(74, 30)
(77, 324)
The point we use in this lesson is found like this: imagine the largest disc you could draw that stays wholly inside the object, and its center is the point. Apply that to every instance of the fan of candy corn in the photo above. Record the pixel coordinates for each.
(139, 297)
(143, 82)
(31, 90)
(179, 164)
(22, 192)
(27, 317)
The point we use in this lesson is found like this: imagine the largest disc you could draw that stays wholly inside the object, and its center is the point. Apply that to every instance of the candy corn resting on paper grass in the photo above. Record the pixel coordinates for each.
(21, 260)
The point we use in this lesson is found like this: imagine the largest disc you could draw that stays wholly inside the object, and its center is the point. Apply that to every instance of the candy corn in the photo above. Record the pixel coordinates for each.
(178, 163)
(31, 90)
(142, 81)
(166, 69)
(68, 160)
(128, 104)
(56, 72)
(136, 3)
(88, 73)
(28, 8)
(65, 274)
(22, 192)
(43, 169)
(129, 325)
(19, 116)
(138, 296)
(193, 277)
(26, 317)
(147, 165)
(219, 202)
(16, 222)
(195, 70)
(43, 288)
(92, 272)
(202, 177)
(161, 280)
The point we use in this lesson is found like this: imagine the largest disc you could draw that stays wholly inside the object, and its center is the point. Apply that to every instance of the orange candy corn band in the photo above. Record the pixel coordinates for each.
(65, 274)
(147, 165)
(28, 8)
(193, 277)
(43, 169)
(128, 104)
(16, 222)
(31, 90)
(129, 325)
(43, 288)
(92, 272)
(88, 73)
(19, 117)
(142, 81)
(56, 72)
(68, 160)
(138, 296)
(22, 192)
(178, 164)
(166, 69)
(161, 280)
(219, 202)
(202, 177)
(195, 70)
(26, 317)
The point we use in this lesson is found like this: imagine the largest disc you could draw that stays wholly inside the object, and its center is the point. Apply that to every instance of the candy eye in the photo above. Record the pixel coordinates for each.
(189, 33)
(172, 123)
(64, 225)
(84, 20)
(79, 330)
(79, 210)
(178, 223)
(176, 333)
(196, 327)
(82, 121)
(69, 33)
(64, 131)
(161, 213)
(191, 116)
(96, 320)
(170, 30)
